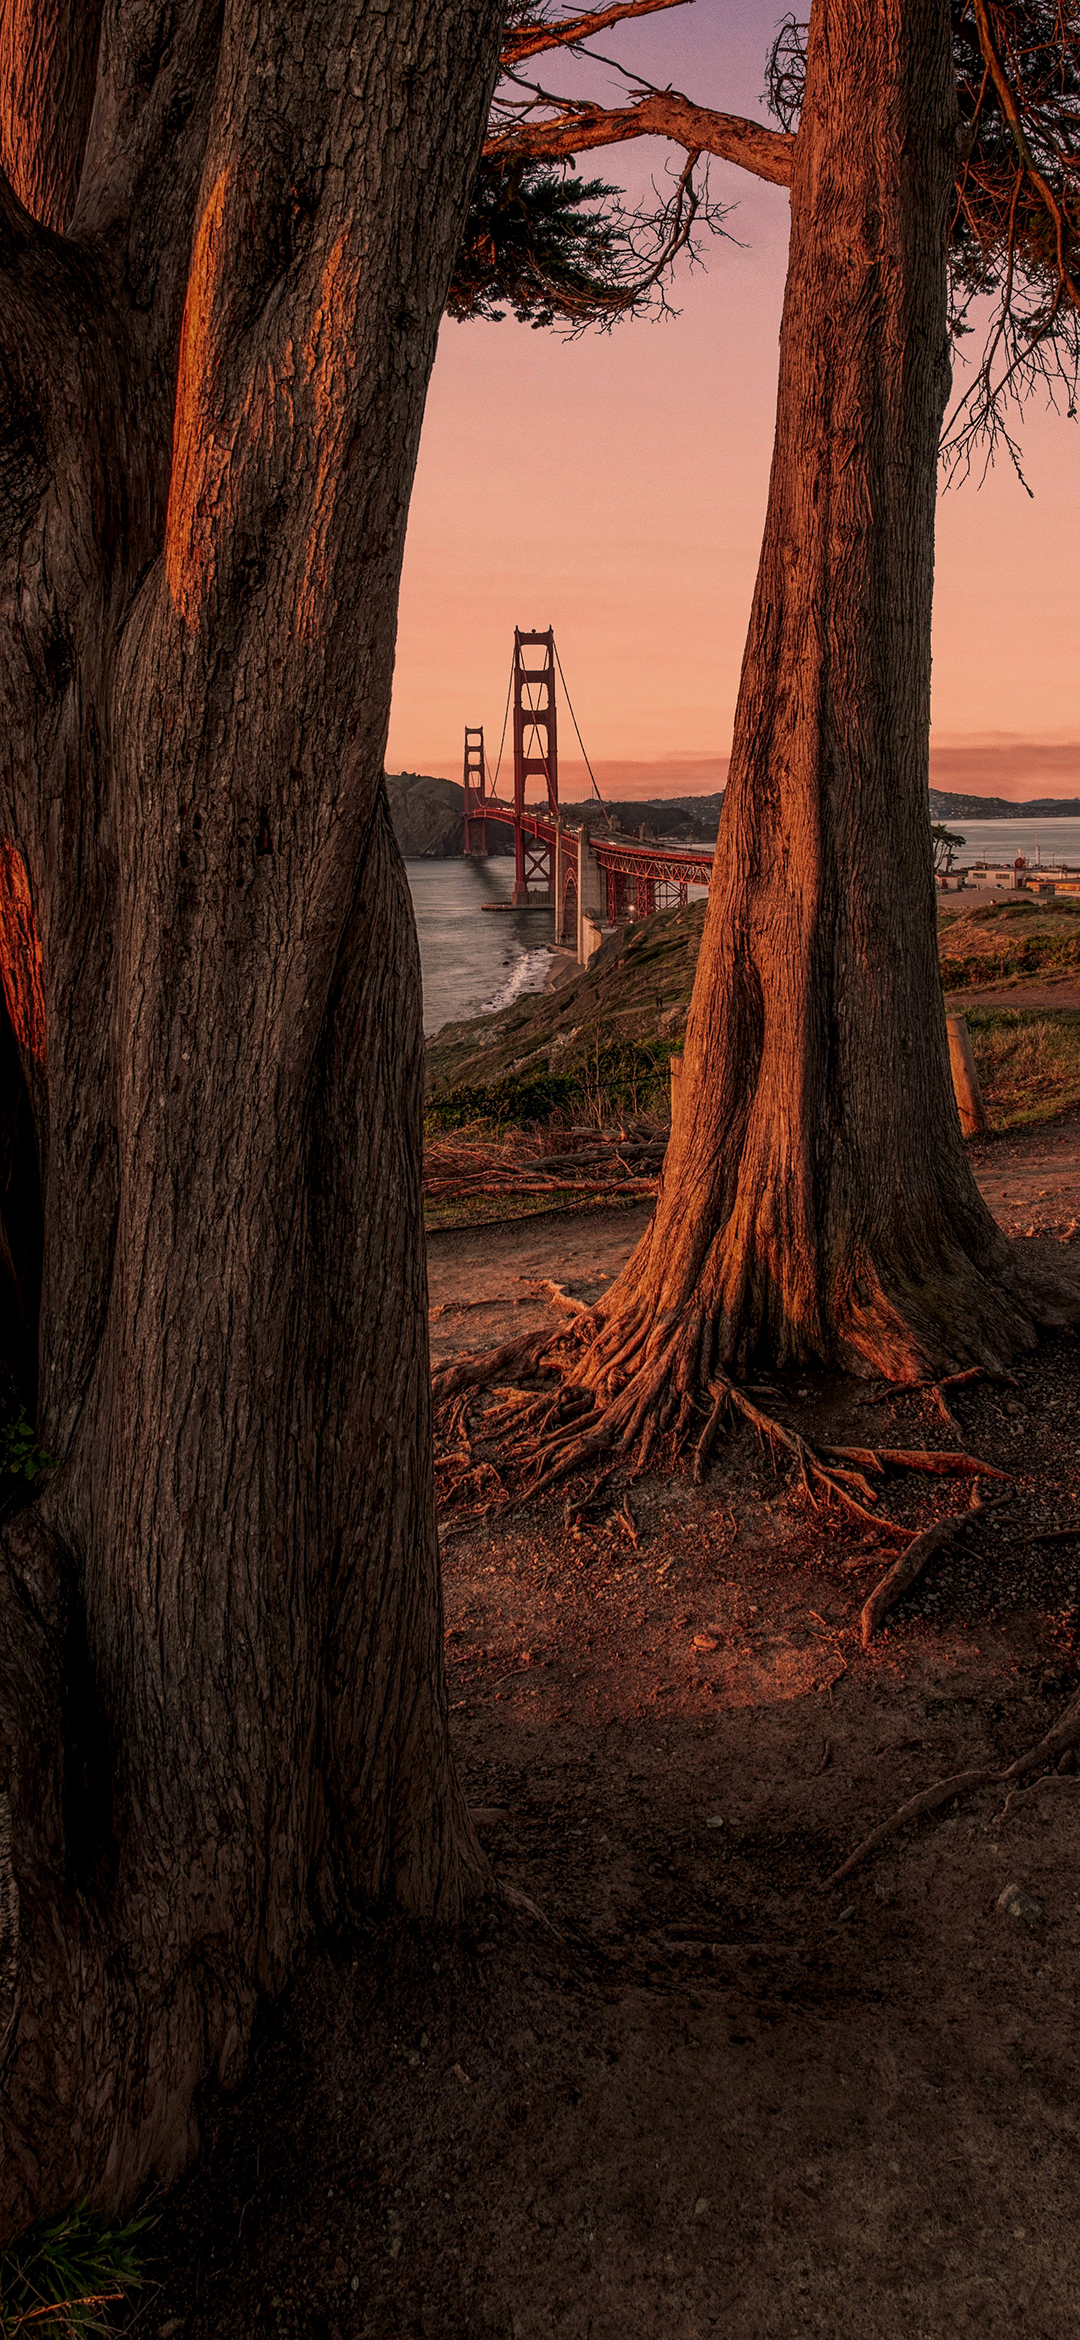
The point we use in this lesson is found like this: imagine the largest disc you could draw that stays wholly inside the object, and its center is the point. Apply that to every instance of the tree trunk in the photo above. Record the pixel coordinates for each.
(223, 1709)
(816, 1202)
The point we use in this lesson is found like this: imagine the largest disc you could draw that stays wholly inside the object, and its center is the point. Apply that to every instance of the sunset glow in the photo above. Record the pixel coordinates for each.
(615, 487)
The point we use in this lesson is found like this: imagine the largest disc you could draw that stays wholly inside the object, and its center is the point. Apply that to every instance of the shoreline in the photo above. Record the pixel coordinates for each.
(563, 966)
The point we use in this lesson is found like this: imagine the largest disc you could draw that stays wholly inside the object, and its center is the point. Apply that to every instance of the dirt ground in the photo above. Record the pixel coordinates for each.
(701, 2091)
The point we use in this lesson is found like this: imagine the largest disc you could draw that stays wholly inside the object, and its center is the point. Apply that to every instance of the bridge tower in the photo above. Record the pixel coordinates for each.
(475, 784)
(536, 753)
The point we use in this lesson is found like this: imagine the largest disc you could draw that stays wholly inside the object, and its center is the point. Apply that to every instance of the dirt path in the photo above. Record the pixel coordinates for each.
(701, 2093)
(486, 1283)
(1056, 993)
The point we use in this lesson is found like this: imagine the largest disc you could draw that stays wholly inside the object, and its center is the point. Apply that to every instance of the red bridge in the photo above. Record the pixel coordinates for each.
(588, 874)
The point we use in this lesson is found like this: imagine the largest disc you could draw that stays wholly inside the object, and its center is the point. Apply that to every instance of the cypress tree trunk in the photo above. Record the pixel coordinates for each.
(221, 1699)
(816, 1202)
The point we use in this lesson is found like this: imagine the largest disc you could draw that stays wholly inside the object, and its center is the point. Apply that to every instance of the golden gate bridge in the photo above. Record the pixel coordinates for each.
(588, 877)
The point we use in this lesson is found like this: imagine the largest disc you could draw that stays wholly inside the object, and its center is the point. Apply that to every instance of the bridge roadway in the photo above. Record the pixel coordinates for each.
(638, 878)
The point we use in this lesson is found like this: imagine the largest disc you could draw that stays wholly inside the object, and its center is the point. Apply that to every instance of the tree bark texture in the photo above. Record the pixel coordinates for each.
(816, 1201)
(226, 234)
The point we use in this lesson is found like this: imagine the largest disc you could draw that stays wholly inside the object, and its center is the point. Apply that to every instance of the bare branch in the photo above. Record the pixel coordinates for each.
(532, 40)
(663, 113)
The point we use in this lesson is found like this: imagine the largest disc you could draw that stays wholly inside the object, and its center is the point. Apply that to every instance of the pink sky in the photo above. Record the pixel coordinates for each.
(614, 487)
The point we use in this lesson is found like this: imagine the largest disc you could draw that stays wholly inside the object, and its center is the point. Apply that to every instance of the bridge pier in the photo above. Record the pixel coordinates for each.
(591, 899)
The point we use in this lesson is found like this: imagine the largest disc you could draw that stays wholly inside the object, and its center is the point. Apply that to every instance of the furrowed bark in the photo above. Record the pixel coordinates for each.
(48, 50)
(221, 1700)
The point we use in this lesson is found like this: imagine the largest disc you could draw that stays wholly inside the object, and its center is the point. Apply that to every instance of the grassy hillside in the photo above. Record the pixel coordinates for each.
(595, 1051)
(1009, 942)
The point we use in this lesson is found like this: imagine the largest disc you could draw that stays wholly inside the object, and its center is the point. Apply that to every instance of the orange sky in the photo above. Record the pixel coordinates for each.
(614, 487)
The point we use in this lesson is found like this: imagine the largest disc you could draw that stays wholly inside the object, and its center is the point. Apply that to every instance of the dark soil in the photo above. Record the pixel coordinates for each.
(697, 2091)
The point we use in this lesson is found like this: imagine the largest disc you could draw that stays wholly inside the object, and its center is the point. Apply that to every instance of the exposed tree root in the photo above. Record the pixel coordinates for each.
(908, 1566)
(1065, 1734)
(634, 1388)
(1055, 1780)
(937, 1389)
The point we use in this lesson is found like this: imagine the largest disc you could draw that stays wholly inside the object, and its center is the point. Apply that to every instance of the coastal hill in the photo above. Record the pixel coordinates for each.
(427, 812)
(945, 806)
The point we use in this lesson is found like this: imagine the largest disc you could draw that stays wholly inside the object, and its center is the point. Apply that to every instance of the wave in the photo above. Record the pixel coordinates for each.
(529, 973)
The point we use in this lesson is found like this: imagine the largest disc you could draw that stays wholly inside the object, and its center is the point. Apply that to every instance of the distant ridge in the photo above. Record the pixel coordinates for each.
(947, 806)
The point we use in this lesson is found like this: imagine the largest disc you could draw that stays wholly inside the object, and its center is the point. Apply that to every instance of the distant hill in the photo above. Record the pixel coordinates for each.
(946, 806)
(427, 817)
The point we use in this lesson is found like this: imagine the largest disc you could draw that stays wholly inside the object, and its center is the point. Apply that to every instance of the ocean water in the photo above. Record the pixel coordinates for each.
(472, 959)
(1043, 841)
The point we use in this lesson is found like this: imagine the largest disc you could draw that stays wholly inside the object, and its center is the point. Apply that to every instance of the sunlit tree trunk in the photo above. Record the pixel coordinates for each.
(816, 1201)
(223, 1713)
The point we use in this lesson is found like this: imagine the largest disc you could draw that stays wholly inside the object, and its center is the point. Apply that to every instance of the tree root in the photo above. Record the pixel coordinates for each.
(937, 1389)
(640, 1391)
(908, 1566)
(1065, 1734)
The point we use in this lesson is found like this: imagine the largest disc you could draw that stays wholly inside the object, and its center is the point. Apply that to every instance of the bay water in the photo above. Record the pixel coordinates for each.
(472, 958)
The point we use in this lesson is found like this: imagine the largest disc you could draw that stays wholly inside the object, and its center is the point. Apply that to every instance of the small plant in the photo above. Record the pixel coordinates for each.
(20, 1455)
(66, 2275)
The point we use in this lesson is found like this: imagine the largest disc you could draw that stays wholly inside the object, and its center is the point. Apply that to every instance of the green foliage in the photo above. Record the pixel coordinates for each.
(947, 844)
(66, 2275)
(620, 1079)
(20, 1455)
(608, 1081)
(547, 246)
(512, 1102)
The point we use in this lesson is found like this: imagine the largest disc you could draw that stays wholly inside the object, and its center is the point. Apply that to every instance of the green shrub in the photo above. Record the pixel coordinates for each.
(514, 1100)
(605, 1081)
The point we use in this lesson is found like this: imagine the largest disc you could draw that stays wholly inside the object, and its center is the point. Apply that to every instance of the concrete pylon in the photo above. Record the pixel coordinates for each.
(591, 901)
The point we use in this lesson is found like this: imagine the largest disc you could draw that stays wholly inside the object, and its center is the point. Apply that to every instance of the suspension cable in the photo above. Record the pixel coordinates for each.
(580, 741)
(502, 742)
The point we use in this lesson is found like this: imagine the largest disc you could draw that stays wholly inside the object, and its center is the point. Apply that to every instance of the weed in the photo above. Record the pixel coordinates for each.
(20, 1455)
(66, 2275)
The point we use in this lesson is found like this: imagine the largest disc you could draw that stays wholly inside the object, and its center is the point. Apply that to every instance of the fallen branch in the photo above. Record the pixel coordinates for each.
(1065, 1734)
(905, 1458)
(909, 1565)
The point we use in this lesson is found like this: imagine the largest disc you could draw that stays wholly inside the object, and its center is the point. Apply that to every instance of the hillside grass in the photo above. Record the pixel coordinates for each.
(594, 1053)
(1009, 942)
(1028, 1064)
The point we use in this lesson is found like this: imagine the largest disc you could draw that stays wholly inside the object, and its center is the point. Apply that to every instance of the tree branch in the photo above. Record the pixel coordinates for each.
(531, 40)
(661, 113)
(1011, 108)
